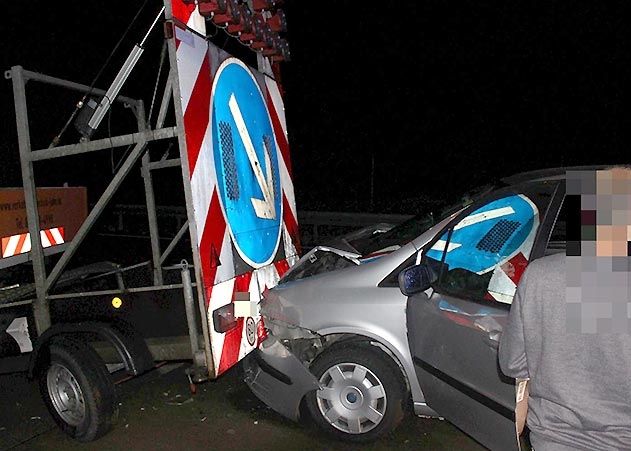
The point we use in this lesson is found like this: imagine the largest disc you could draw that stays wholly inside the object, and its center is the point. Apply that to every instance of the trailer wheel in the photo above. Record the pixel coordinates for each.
(78, 390)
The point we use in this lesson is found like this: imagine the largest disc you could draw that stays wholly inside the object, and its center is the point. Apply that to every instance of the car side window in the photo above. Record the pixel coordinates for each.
(483, 256)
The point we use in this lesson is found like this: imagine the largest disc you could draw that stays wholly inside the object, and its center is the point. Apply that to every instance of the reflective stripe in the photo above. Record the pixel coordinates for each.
(21, 243)
(484, 216)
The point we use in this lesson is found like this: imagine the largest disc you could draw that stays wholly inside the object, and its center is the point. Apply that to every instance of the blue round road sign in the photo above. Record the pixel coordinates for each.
(246, 163)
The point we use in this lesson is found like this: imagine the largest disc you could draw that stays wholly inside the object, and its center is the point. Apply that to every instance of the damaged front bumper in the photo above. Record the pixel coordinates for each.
(278, 378)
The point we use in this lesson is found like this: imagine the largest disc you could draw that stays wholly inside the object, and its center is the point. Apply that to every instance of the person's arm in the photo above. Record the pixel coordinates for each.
(512, 352)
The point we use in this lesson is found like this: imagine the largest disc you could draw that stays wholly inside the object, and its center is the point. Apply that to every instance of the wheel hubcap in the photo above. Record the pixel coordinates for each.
(65, 394)
(352, 398)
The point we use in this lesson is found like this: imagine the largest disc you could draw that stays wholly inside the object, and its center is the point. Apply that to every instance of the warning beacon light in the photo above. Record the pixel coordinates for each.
(285, 54)
(256, 23)
(262, 5)
(208, 8)
(252, 28)
(244, 25)
(230, 16)
(278, 22)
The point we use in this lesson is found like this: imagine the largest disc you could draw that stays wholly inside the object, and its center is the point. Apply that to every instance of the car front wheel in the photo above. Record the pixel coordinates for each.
(362, 395)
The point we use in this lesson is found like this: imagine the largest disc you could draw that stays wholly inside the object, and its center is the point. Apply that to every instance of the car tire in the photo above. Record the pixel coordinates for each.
(78, 390)
(363, 393)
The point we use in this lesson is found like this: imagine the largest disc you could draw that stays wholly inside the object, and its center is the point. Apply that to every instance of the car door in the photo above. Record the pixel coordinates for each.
(454, 333)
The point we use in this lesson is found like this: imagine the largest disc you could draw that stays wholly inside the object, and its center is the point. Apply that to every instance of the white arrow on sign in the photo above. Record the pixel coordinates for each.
(264, 208)
(471, 220)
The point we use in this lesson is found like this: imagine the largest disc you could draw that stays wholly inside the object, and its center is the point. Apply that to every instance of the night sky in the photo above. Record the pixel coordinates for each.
(442, 96)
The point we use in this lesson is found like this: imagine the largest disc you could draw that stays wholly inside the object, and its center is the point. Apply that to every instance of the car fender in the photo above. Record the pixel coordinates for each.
(387, 344)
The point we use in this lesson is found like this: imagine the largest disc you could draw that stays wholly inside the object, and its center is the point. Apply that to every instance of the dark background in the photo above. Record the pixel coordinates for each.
(442, 96)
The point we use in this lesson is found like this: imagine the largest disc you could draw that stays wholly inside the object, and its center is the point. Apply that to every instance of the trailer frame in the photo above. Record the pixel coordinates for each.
(145, 134)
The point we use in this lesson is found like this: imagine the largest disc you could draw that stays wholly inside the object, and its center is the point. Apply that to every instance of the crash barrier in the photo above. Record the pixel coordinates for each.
(316, 227)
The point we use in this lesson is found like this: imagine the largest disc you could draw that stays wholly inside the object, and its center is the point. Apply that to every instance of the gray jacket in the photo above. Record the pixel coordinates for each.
(580, 389)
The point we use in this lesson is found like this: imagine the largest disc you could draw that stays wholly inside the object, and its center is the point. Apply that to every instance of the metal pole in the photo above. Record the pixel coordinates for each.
(105, 143)
(166, 98)
(189, 302)
(178, 236)
(136, 152)
(154, 233)
(17, 303)
(40, 307)
(163, 164)
(152, 218)
(173, 286)
(120, 281)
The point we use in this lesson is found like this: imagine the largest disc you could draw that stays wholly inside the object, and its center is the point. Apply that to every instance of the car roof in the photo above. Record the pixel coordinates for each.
(551, 173)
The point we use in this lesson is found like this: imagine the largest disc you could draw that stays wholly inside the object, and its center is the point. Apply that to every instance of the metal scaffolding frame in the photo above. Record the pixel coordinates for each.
(140, 139)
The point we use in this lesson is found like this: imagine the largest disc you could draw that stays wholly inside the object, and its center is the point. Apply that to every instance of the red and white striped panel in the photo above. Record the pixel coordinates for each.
(21, 243)
(229, 348)
(505, 277)
(196, 65)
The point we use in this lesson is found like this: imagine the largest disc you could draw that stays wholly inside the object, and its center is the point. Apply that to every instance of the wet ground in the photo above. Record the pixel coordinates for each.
(158, 412)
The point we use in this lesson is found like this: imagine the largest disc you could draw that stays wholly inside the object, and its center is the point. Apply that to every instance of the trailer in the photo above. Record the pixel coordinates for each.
(78, 328)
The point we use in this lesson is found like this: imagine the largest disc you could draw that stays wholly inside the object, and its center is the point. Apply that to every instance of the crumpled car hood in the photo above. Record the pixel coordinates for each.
(336, 254)
(319, 260)
(311, 301)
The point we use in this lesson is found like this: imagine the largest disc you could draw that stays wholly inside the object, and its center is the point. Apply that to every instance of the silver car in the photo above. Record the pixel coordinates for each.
(341, 330)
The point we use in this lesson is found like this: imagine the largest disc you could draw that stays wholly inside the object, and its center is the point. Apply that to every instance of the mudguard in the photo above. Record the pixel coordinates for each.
(128, 343)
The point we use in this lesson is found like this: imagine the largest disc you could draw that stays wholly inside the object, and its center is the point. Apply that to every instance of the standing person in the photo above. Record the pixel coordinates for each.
(569, 328)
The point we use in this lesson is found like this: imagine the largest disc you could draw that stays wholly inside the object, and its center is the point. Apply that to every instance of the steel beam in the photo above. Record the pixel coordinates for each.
(164, 104)
(173, 286)
(40, 307)
(147, 166)
(163, 164)
(150, 199)
(176, 239)
(105, 143)
(189, 304)
(36, 76)
(17, 303)
(152, 219)
(124, 170)
(154, 232)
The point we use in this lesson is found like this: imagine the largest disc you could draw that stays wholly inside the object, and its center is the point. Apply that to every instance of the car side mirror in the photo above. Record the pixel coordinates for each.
(415, 279)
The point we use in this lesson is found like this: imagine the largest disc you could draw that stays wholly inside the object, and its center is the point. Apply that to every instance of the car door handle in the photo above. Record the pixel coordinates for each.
(492, 339)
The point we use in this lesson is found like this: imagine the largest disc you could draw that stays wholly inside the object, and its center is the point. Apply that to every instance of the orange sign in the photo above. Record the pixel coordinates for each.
(64, 208)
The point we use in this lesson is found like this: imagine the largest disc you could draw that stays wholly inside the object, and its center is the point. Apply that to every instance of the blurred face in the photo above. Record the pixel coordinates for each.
(605, 212)
(598, 267)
